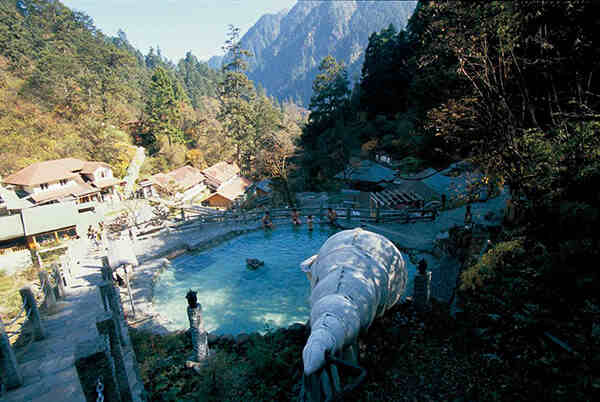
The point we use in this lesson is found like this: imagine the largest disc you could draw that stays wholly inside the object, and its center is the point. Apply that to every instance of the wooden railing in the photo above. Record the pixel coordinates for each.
(343, 212)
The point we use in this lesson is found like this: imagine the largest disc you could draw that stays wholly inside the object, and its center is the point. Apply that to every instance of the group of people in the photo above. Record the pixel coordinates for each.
(95, 235)
(267, 222)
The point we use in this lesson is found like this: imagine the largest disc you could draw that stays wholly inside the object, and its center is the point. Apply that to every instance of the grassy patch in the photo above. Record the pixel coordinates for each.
(10, 299)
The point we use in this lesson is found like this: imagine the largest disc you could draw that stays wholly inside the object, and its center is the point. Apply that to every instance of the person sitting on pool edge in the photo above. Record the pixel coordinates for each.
(309, 222)
(267, 223)
(296, 217)
(332, 216)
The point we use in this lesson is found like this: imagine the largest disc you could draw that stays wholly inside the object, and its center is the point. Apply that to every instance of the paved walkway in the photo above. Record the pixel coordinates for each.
(48, 366)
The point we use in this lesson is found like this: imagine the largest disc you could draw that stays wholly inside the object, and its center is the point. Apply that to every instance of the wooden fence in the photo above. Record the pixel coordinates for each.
(343, 212)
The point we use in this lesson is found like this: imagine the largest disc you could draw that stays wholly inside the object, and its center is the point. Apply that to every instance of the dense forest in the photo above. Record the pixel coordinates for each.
(512, 87)
(67, 89)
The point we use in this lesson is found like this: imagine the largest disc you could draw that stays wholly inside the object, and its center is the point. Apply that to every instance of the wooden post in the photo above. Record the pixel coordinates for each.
(33, 313)
(96, 370)
(49, 296)
(377, 214)
(11, 376)
(348, 214)
(183, 214)
(108, 326)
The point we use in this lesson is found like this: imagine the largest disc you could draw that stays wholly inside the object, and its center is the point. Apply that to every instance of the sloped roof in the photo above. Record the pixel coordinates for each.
(368, 171)
(235, 188)
(12, 201)
(107, 182)
(51, 217)
(221, 172)
(49, 171)
(90, 167)
(264, 185)
(183, 178)
(77, 190)
(11, 227)
(44, 172)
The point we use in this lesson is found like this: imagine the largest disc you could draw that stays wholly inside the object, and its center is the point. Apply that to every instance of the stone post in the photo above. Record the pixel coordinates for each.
(96, 370)
(108, 326)
(106, 269)
(60, 284)
(35, 258)
(33, 313)
(48, 291)
(422, 290)
(11, 376)
(127, 269)
(105, 296)
(197, 332)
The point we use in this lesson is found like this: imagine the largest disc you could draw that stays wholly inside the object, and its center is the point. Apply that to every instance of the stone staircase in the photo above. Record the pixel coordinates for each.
(48, 366)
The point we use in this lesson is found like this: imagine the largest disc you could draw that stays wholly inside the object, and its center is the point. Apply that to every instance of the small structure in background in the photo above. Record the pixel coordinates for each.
(220, 185)
(366, 175)
(183, 183)
(220, 173)
(229, 193)
(259, 193)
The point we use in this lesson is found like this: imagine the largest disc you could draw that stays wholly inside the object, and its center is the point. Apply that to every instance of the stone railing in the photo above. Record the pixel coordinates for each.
(49, 293)
(100, 362)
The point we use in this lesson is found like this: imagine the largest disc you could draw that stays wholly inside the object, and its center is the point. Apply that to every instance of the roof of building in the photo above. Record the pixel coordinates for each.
(234, 188)
(47, 218)
(11, 201)
(90, 167)
(107, 182)
(264, 185)
(49, 171)
(182, 178)
(80, 188)
(367, 171)
(11, 227)
(221, 172)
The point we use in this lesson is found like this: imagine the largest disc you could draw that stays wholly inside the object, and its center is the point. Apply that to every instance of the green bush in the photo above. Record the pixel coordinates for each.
(503, 255)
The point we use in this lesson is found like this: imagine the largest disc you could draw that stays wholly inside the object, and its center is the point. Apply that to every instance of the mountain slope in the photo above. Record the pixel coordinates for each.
(289, 46)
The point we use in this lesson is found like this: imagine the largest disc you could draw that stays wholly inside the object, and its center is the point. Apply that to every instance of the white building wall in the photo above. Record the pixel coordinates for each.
(54, 185)
(108, 174)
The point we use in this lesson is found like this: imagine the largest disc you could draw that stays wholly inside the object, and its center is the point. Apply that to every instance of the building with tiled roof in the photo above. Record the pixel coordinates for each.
(220, 173)
(187, 181)
(228, 193)
(60, 180)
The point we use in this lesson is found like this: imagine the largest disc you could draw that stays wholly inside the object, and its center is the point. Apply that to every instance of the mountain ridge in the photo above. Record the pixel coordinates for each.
(288, 46)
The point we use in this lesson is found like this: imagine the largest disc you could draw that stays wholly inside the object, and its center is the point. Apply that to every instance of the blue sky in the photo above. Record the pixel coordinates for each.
(177, 26)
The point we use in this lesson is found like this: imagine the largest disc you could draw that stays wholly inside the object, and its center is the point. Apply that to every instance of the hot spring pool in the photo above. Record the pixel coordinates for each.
(234, 299)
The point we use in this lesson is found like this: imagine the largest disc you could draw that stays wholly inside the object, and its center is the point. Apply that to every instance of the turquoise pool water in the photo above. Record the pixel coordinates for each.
(235, 299)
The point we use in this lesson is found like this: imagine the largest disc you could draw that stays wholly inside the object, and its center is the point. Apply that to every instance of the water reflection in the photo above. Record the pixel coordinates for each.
(236, 299)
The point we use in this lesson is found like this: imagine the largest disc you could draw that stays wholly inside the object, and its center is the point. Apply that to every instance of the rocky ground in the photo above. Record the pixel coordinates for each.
(408, 356)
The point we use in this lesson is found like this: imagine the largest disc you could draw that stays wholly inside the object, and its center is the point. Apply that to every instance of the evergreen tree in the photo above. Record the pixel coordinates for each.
(163, 110)
(236, 96)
